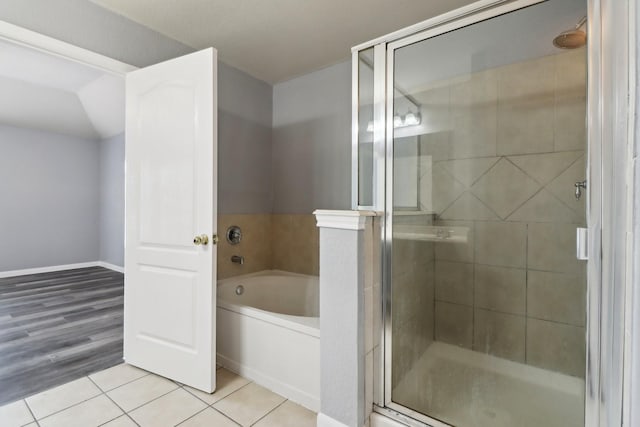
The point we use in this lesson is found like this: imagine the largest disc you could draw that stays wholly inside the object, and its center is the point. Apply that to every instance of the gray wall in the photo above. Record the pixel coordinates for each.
(48, 188)
(111, 213)
(87, 25)
(312, 141)
(244, 142)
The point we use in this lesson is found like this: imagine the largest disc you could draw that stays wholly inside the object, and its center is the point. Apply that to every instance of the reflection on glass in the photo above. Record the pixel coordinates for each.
(365, 127)
(488, 299)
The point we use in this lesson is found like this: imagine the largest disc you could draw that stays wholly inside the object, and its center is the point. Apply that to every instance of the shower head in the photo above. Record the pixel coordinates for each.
(572, 39)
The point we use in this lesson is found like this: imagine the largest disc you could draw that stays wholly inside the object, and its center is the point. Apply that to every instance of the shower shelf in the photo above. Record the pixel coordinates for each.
(431, 233)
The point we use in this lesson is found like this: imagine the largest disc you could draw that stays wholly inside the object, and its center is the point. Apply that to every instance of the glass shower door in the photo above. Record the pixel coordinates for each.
(488, 300)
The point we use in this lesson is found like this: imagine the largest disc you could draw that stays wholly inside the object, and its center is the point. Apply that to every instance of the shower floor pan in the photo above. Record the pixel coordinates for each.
(468, 388)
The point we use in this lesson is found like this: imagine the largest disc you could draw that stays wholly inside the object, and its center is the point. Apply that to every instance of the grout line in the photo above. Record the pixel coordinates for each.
(114, 402)
(224, 415)
(121, 385)
(154, 399)
(31, 412)
(265, 415)
(187, 419)
(68, 407)
(234, 391)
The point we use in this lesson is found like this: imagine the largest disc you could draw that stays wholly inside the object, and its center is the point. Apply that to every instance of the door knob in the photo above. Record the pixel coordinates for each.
(202, 239)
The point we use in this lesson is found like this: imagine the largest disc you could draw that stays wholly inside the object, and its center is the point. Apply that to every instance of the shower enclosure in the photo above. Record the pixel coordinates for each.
(471, 136)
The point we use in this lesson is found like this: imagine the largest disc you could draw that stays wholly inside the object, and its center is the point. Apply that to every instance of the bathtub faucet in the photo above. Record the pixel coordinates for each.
(237, 259)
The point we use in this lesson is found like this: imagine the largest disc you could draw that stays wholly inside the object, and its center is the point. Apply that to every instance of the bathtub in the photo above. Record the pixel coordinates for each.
(268, 331)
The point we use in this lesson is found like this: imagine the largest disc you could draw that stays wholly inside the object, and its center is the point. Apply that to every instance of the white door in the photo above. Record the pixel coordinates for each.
(171, 198)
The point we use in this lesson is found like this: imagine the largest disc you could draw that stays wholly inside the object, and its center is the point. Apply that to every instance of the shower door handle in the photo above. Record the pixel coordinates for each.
(582, 248)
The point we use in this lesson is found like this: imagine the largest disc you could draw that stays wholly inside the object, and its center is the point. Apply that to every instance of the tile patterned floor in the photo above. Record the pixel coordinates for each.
(125, 396)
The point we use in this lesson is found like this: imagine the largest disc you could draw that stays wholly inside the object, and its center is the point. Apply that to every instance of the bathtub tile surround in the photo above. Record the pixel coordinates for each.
(269, 242)
(90, 402)
(255, 245)
(503, 167)
(295, 245)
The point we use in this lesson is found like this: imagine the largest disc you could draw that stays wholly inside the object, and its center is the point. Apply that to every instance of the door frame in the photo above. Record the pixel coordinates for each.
(609, 386)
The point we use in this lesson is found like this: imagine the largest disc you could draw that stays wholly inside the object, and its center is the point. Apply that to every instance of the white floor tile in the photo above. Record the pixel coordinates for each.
(168, 410)
(226, 383)
(207, 418)
(249, 404)
(93, 412)
(117, 376)
(123, 421)
(289, 415)
(141, 391)
(62, 397)
(15, 414)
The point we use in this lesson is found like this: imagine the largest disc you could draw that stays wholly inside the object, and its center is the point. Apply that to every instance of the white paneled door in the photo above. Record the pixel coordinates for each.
(171, 198)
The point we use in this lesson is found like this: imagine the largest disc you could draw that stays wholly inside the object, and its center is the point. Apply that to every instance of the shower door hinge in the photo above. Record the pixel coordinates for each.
(582, 245)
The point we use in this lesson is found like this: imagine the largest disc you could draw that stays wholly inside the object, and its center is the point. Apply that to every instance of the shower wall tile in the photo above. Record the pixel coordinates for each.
(556, 346)
(456, 251)
(501, 244)
(515, 186)
(255, 245)
(500, 289)
(295, 243)
(454, 324)
(503, 159)
(454, 282)
(499, 334)
(474, 105)
(526, 96)
(552, 247)
(556, 296)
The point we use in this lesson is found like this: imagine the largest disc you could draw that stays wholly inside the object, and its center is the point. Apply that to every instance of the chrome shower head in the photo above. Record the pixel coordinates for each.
(572, 39)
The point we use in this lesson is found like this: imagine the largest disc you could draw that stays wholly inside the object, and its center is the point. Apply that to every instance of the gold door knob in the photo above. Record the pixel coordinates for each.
(202, 239)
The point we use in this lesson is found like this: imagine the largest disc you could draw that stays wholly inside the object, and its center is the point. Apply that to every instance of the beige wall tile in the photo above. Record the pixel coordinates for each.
(255, 245)
(454, 324)
(454, 282)
(501, 244)
(556, 346)
(501, 289)
(556, 296)
(552, 247)
(499, 334)
(295, 243)
(526, 107)
(456, 251)
(504, 188)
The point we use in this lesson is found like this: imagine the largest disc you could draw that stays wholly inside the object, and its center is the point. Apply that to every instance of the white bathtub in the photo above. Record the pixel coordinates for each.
(270, 332)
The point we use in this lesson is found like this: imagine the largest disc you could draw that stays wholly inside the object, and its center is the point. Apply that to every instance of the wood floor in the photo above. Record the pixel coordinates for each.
(57, 327)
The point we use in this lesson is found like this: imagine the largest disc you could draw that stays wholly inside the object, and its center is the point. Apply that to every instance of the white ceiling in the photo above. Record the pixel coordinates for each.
(49, 93)
(276, 40)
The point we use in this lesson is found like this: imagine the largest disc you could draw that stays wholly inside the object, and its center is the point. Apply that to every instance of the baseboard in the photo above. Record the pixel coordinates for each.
(111, 266)
(48, 269)
(52, 268)
(298, 396)
(326, 421)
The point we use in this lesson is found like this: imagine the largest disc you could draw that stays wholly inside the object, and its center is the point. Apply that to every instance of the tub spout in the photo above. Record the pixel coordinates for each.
(237, 259)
